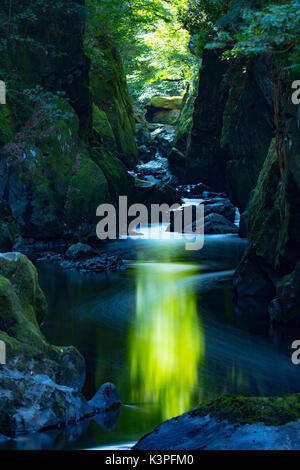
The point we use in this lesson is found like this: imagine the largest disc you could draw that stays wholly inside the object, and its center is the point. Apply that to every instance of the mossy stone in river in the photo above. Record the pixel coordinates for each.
(272, 411)
(40, 384)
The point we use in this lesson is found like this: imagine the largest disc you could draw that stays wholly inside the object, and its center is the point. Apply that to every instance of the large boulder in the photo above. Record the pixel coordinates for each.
(220, 206)
(164, 109)
(231, 423)
(167, 102)
(40, 384)
(217, 224)
(79, 252)
(47, 176)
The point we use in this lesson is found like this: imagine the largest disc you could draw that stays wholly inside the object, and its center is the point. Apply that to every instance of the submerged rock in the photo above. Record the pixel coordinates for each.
(84, 258)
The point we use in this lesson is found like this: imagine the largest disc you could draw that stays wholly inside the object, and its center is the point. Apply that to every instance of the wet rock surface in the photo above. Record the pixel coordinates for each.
(84, 258)
(40, 384)
(231, 423)
(106, 399)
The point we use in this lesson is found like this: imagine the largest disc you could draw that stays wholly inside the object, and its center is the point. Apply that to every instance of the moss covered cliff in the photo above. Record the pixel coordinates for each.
(61, 111)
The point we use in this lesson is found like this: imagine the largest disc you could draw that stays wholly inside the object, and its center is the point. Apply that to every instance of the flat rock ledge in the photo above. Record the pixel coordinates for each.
(231, 423)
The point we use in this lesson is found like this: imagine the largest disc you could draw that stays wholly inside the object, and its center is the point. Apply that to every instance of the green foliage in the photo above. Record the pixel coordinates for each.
(200, 18)
(151, 42)
(19, 21)
(271, 28)
(49, 103)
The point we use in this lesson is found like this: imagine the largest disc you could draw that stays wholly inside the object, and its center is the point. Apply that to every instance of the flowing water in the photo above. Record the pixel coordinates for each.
(164, 331)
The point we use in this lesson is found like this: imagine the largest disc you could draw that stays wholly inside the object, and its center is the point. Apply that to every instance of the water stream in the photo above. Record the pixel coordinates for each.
(164, 331)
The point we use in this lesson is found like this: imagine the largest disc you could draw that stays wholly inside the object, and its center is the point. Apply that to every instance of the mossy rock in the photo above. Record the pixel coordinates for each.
(110, 94)
(272, 411)
(102, 126)
(118, 179)
(41, 159)
(58, 186)
(166, 116)
(88, 189)
(185, 121)
(167, 102)
(269, 213)
(9, 228)
(38, 379)
(23, 304)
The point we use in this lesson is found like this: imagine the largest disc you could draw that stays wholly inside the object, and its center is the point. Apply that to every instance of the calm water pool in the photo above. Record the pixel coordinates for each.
(164, 332)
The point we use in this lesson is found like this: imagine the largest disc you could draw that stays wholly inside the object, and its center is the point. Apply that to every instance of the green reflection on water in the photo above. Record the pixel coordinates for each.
(166, 342)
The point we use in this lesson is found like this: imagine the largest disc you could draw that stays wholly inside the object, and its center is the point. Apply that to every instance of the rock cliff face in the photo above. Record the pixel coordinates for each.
(244, 139)
(270, 269)
(223, 149)
(61, 154)
(113, 111)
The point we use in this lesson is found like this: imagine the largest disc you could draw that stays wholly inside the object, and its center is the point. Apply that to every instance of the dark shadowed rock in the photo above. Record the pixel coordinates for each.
(288, 295)
(252, 281)
(217, 224)
(275, 312)
(107, 398)
(220, 206)
(79, 252)
(100, 264)
(176, 158)
(243, 227)
(9, 228)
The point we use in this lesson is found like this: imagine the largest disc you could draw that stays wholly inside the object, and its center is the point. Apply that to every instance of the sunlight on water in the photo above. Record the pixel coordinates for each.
(166, 343)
